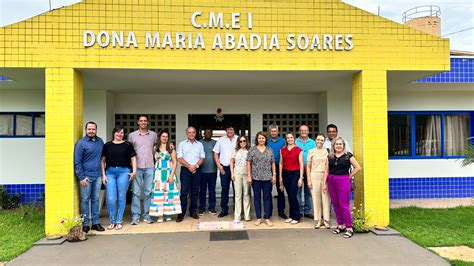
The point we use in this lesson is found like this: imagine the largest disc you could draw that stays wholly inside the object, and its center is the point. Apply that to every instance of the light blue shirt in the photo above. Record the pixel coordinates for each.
(191, 152)
(305, 146)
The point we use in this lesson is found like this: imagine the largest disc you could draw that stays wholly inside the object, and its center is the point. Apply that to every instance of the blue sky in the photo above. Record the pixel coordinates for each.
(455, 15)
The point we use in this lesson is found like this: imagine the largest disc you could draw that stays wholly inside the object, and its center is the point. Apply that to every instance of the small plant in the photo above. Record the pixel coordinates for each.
(69, 223)
(8, 201)
(468, 153)
(361, 220)
(73, 227)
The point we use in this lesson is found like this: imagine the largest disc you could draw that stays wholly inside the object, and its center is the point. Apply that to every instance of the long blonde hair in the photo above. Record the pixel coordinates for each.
(332, 151)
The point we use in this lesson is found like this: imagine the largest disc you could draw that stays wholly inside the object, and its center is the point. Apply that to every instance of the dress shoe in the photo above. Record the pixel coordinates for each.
(194, 215)
(86, 229)
(98, 227)
(222, 214)
(179, 218)
(309, 216)
(283, 216)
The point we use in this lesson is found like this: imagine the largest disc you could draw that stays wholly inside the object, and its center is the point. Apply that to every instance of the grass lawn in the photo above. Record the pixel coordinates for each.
(19, 229)
(436, 227)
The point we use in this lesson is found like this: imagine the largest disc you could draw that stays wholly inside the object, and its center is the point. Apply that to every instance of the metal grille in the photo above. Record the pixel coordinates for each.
(157, 122)
(291, 122)
(228, 236)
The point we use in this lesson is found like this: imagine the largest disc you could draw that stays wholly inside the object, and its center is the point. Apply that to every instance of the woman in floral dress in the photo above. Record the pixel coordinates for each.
(165, 196)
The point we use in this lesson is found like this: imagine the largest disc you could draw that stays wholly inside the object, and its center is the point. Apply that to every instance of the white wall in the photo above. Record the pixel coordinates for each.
(429, 101)
(182, 105)
(22, 159)
(428, 168)
(339, 112)
(95, 109)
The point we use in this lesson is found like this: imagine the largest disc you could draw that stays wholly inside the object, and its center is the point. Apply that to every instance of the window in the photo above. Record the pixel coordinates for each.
(291, 122)
(18, 125)
(428, 134)
(399, 136)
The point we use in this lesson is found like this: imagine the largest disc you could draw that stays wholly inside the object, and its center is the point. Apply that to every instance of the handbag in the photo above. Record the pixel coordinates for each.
(353, 185)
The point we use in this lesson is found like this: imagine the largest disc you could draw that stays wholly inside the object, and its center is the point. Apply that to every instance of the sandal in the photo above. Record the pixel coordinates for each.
(268, 222)
(338, 230)
(326, 224)
(318, 224)
(118, 226)
(111, 226)
(258, 222)
(348, 234)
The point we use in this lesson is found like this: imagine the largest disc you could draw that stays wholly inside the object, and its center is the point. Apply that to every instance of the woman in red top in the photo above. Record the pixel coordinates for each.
(291, 175)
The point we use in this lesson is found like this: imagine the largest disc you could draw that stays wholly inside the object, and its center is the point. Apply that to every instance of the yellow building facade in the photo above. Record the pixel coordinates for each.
(311, 36)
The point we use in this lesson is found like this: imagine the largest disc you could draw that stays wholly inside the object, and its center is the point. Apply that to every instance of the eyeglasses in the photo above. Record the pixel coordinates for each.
(242, 141)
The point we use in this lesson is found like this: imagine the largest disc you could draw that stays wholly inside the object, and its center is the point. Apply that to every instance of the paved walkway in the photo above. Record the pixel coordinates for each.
(271, 247)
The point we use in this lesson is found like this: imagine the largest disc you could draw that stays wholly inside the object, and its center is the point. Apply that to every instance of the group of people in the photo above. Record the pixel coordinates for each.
(320, 169)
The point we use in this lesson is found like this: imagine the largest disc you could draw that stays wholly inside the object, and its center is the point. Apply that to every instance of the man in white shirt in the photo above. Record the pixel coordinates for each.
(331, 130)
(190, 155)
(222, 155)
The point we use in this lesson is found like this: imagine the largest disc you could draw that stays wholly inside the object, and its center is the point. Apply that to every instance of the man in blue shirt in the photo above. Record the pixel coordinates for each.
(305, 143)
(276, 143)
(87, 154)
(208, 175)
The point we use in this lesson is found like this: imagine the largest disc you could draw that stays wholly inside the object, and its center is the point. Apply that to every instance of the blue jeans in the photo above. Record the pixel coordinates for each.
(116, 188)
(90, 194)
(290, 181)
(266, 187)
(225, 185)
(189, 183)
(208, 182)
(143, 181)
(307, 208)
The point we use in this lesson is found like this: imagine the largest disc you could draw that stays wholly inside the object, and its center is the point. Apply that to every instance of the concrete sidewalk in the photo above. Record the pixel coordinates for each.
(271, 247)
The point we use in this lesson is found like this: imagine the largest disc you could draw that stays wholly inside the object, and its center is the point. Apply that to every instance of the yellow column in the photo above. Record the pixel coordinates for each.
(63, 128)
(369, 120)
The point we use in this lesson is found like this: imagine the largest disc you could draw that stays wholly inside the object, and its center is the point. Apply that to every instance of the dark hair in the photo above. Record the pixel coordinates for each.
(320, 134)
(92, 123)
(228, 125)
(168, 148)
(261, 133)
(331, 126)
(143, 115)
(116, 129)
(247, 146)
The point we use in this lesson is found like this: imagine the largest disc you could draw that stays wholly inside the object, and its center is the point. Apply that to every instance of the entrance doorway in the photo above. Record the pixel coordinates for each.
(240, 122)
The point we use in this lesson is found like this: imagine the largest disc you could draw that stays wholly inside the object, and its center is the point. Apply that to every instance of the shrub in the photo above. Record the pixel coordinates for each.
(7, 200)
(361, 220)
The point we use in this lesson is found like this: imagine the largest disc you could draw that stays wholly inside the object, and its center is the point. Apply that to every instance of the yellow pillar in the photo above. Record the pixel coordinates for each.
(63, 128)
(369, 120)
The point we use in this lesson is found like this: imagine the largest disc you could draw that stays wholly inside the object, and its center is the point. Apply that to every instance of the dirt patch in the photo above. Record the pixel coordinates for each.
(455, 253)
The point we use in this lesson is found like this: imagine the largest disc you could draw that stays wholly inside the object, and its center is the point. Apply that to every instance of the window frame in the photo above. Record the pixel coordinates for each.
(33, 118)
(413, 115)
